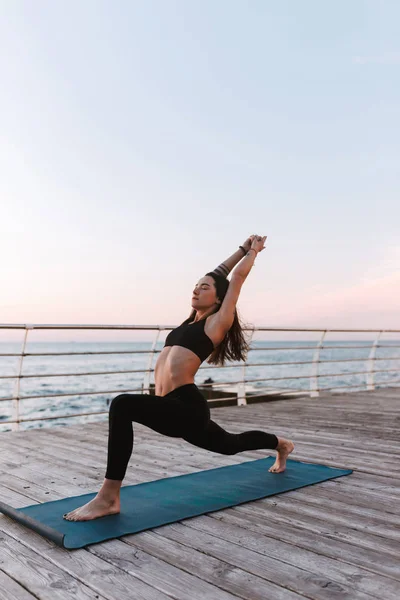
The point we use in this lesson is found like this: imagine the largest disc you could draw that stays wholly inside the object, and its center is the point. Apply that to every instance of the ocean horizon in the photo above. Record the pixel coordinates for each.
(74, 373)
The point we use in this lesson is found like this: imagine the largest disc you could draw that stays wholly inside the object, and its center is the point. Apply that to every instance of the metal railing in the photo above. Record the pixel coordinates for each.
(240, 395)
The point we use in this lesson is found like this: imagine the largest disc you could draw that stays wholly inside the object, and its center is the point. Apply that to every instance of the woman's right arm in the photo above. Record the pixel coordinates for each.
(245, 265)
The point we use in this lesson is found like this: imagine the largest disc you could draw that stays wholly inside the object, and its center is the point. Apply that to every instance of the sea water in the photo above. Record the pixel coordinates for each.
(75, 374)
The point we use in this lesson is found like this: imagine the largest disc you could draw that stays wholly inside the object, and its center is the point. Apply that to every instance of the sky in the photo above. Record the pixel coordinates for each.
(142, 142)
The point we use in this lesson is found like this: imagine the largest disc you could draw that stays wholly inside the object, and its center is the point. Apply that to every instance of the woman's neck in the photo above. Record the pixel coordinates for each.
(203, 315)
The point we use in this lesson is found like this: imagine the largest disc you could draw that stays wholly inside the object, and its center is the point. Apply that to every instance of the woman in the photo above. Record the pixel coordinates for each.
(178, 408)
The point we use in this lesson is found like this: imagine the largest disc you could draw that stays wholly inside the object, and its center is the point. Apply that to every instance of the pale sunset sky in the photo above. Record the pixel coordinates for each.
(142, 142)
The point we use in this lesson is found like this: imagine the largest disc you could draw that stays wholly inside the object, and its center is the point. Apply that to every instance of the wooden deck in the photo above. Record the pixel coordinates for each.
(336, 539)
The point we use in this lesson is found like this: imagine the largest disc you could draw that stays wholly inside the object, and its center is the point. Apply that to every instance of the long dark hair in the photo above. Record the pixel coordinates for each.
(234, 346)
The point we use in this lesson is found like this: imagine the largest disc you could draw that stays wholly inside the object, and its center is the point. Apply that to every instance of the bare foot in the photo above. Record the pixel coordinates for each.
(98, 507)
(285, 447)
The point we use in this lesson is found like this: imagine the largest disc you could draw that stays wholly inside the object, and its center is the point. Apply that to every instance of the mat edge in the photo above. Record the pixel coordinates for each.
(44, 530)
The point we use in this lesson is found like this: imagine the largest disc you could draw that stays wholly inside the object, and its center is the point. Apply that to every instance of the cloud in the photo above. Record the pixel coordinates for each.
(371, 302)
(387, 265)
(378, 290)
(388, 58)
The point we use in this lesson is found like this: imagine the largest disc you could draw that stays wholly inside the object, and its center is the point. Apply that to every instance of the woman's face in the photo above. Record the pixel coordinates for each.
(204, 293)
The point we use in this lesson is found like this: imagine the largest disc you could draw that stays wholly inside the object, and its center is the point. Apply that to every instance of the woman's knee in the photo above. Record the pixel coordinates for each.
(119, 402)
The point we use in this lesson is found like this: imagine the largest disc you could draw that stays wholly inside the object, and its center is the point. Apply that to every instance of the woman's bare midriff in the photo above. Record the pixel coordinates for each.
(178, 366)
(175, 366)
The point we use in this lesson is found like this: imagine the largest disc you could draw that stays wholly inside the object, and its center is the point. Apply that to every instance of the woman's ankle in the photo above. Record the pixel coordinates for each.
(282, 442)
(110, 489)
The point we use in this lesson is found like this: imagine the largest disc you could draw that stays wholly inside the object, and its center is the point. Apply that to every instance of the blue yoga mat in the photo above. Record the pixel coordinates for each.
(154, 503)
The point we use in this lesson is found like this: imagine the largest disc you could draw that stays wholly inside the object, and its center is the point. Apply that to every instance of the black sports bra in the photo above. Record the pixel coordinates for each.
(191, 336)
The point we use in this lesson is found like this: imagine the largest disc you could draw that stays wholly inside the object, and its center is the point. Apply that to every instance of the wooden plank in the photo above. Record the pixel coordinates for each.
(148, 578)
(315, 448)
(256, 562)
(315, 561)
(323, 523)
(348, 516)
(327, 539)
(74, 492)
(140, 566)
(330, 456)
(319, 537)
(379, 483)
(82, 491)
(11, 590)
(76, 462)
(154, 570)
(123, 572)
(41, 577)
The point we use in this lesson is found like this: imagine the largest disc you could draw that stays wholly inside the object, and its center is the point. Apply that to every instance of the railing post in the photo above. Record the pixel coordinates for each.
(314, 383)
(147, 373)
(241, 389)
(371, 363)
(17, 386)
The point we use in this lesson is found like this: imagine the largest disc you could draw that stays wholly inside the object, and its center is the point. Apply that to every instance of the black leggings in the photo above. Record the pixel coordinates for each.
(183, 413)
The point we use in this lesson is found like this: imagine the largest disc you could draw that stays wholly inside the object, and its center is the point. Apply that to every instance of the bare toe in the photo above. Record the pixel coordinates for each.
(98, 507)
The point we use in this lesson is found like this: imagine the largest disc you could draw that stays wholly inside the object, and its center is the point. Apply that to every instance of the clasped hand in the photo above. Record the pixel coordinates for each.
(256, 242)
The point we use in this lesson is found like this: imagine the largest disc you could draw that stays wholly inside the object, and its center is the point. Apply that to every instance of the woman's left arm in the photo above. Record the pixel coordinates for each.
(226, 267)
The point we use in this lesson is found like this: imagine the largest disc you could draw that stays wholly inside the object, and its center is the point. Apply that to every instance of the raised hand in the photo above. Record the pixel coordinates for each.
(247, 244)
(258, 243)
